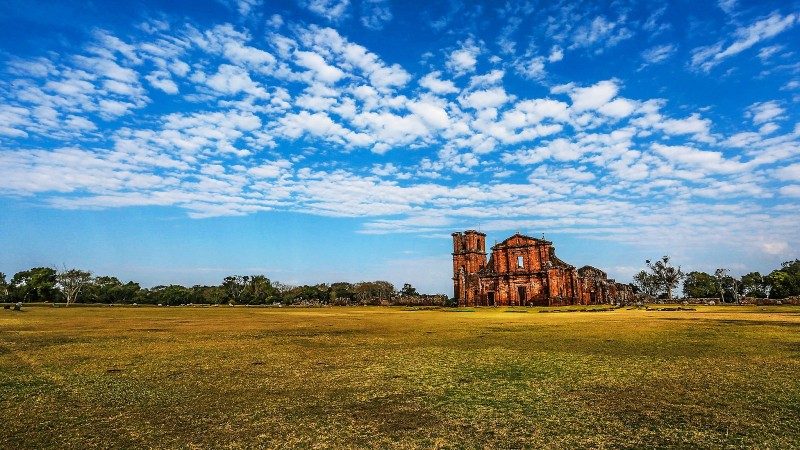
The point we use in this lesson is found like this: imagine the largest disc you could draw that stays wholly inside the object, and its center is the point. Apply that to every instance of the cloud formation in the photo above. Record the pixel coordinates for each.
(220, 121)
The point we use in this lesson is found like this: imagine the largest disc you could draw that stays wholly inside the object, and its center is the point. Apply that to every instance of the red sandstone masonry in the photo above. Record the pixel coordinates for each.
(524, 271)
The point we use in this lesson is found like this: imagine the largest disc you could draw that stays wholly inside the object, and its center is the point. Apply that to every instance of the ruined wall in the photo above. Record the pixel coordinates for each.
(469, 258)
(524, 271)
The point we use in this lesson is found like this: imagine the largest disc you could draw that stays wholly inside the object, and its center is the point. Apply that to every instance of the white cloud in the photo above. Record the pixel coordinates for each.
(693, 124)
(765, 112)
(162, 81)
(728, 6)
(316, 64)
(433, 83)
(659, 53)
(320, 124)
(768, 128)
(275, 21)
(530, 68)
(375, 13)
(556, 54)
(464, 59)
(792, 190)
(431, 113)
(768, 52)
(775, 248)
(233, 80)
(353, 57)
(710, 161)
(706, 58)
(272, 169)
(333, 10)
(80, 123)
(244, 7)
(618, 108)
(602, 31)
(488, 98)
(788, 173)
(594, 96)
(250, 57)
(558, 149)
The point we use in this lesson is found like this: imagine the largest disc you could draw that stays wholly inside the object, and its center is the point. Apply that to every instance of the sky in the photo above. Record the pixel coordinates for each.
(344, 140)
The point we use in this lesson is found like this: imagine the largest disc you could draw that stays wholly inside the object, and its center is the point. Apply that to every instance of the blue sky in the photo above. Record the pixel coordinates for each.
(325, 140)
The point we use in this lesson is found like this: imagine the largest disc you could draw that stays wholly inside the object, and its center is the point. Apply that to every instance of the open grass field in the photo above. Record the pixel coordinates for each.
(389, 377)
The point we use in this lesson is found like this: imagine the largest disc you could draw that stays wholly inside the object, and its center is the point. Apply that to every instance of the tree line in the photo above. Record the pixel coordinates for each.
(45, 284)
(661, 278)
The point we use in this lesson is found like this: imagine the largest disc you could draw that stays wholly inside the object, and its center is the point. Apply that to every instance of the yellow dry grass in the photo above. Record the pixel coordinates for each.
(391, 377)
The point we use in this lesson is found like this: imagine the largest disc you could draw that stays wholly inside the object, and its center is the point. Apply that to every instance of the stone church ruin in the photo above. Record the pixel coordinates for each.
(525, 271)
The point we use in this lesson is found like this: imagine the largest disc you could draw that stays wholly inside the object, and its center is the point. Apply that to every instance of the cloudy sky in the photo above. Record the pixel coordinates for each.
(323, 140)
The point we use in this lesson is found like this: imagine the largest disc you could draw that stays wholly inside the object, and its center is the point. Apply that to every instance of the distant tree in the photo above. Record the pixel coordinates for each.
(373, 292)
(754, 284)
(726, 285)
(209, 295)
(319, 293)
(700, 285)
(107, 289)
(173, 295)
(646, 283)
(667, 276)
(342, 293)
(719, 277)
(71, 282)
(3, 287)
(235, 286)
(34, 285)
(408, 291)
(785, 282)
(102, 289)
(260, 289)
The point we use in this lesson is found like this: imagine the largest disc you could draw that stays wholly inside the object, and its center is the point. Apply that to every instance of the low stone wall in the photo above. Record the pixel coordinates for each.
(771, 301)
(743, 301)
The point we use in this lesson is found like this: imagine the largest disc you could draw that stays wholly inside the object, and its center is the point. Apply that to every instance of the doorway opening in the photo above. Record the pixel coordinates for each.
(490, 298)
(523, 301)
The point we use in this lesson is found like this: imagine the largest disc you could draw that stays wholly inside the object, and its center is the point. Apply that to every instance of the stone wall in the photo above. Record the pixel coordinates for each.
(771, 301)
(744, 301)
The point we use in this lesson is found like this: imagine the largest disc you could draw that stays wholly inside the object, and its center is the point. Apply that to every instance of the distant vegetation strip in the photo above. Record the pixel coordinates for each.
(74, 286)
(46, 284)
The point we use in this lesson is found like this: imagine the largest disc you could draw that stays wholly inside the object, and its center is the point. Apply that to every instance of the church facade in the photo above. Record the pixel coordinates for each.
(525, 271)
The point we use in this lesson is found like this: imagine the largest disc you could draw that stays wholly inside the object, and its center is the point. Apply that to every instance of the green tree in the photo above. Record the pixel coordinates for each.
(260, 289)
(71, 281)
(408, 291)
(646, 283)
(108, 289)
(3, 287)
(373, 292)
(754, 285)
(785, 282)
(34, 285)
(667, 277)
(102, 289)
(726, 285)
(342, 293)
(235, 286)
(699, 285)
(210, 295)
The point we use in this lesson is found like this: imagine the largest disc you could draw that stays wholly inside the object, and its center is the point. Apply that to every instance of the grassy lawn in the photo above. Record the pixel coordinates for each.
(394, 377)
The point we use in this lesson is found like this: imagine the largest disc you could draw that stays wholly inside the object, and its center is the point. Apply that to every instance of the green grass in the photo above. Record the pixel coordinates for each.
(393, 377)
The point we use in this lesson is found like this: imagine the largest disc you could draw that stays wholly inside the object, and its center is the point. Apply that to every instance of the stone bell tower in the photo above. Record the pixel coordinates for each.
(469, 257)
